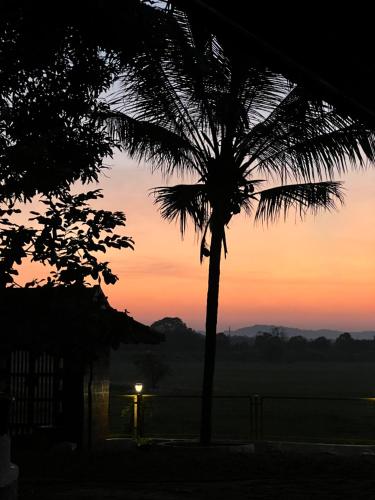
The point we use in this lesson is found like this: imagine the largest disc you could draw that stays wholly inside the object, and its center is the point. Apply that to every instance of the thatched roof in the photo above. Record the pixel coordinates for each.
(66, 316)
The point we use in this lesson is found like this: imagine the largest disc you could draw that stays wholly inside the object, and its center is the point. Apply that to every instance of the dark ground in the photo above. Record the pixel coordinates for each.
(156, 473)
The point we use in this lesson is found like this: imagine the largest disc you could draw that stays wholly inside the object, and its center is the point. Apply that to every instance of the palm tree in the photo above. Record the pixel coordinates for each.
(250, 140)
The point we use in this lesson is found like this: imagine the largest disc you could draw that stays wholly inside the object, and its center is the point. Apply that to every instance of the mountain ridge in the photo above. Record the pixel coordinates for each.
(253, 330)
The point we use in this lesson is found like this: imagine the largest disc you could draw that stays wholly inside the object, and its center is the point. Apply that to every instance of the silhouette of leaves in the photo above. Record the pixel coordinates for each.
(302, 197)
(193, 106)
(183, 201)
(68, 236)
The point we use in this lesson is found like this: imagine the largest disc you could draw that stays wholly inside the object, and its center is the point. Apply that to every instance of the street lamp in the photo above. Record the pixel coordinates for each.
(138, 387)
(137, 411)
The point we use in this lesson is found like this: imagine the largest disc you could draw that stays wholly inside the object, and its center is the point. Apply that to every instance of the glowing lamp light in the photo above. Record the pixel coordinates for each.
(138, 387)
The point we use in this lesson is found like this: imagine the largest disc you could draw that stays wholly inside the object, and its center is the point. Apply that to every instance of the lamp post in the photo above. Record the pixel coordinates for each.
(137, 411)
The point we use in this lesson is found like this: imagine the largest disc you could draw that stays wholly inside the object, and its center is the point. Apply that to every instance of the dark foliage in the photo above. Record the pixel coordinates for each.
(152, 367)
(67, 237)
(55, 66)
(178, 335)
(273, 348)
(51, 79)
(250, 140)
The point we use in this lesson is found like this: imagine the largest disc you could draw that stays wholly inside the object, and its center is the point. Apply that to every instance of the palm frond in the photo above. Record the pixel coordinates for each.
(247, 205)
(267, 128)
(152, 143)
(191, 104)
(173, 87)
(262, 91)
(319, 155)
(206, 71)
(312, 196)
(182, 202)
(152, 91)
(303, 139)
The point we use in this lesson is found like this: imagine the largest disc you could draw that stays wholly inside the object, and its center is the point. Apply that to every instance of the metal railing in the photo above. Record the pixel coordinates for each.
(248, 417)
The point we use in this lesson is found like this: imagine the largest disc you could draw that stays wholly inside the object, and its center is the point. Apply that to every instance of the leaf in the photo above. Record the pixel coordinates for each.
(145, 140)
(183, 201)
(301, 197)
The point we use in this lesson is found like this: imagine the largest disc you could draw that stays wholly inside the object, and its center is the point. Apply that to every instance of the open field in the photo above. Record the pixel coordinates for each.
(299, 419)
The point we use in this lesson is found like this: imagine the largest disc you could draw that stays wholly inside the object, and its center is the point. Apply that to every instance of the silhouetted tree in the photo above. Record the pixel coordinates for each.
(269, 346)
(320, 349)
(50, 82)
(55, 65)
(178, 335)
(67, 237)
(345, 346)
(298, 343)
(345, 339)
(297, 347)
(321, 344)
(278, 331)
(152, 367)
(171, 325)
(200, 109)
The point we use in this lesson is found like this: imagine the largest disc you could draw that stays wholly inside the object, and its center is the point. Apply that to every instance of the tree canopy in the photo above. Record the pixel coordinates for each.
(249, 139)
(51, 80)
(69, 236)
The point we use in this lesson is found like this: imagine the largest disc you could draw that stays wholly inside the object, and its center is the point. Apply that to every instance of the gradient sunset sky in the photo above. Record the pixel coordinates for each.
(316, 273)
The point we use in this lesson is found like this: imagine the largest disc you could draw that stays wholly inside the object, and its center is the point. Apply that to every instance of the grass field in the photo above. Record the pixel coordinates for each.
(321, 420)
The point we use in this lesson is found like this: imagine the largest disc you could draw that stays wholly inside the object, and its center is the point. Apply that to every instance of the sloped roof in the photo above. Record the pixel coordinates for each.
(67, 316)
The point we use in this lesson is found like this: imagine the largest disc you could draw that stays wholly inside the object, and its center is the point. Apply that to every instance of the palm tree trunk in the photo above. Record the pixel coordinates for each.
(217, 231)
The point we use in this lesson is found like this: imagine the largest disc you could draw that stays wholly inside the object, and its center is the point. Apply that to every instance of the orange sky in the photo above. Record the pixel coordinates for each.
(319, 273)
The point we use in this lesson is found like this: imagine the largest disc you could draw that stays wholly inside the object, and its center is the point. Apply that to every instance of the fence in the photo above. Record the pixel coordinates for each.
(250, 417)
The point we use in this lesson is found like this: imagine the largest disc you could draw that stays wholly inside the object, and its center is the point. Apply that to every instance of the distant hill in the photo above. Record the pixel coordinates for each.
(252, 331)
(172, 326)
(178, 335)
(177, 331)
